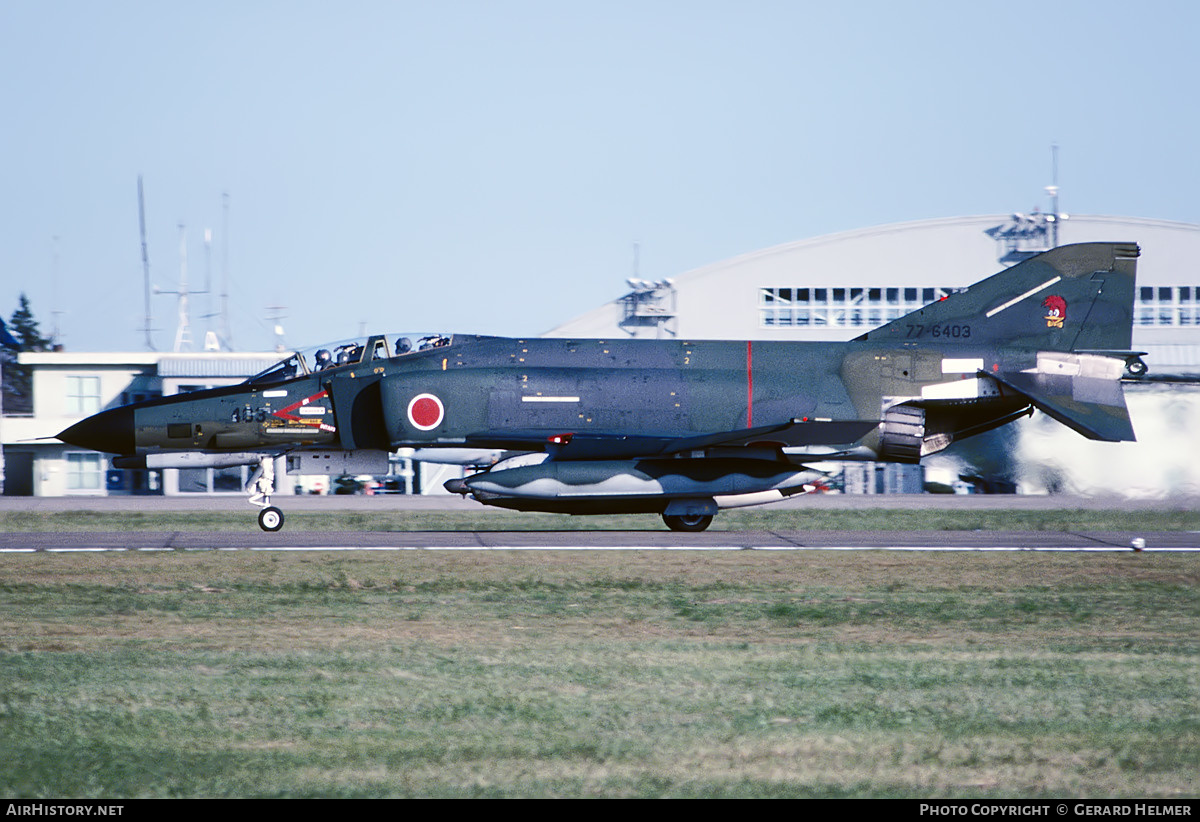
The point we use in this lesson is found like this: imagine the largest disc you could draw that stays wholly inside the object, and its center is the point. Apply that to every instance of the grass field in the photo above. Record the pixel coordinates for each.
(754, 674)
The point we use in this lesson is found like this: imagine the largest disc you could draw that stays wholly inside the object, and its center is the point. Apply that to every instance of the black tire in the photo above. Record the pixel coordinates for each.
(270, 518)
(691, 523)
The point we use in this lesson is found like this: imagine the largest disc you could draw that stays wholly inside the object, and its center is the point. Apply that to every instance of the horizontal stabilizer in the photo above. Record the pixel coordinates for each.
(1093, 406)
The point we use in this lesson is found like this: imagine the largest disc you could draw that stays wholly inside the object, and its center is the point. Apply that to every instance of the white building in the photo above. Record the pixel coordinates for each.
(69, 386)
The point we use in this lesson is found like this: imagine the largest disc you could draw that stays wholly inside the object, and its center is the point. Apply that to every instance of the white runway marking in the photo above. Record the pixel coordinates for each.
(342, 548)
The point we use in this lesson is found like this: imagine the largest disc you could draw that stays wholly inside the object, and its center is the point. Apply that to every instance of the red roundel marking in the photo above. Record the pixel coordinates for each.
(425, 412)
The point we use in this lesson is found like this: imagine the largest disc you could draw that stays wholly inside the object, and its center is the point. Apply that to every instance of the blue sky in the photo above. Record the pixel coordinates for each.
(488, 166)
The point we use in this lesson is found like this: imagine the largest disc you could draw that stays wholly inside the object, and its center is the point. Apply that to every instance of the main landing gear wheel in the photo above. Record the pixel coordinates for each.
(270, 518)
(688, 522)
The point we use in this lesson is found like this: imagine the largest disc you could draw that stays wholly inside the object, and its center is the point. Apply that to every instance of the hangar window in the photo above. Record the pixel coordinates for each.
(869, 306)
(1167, 306)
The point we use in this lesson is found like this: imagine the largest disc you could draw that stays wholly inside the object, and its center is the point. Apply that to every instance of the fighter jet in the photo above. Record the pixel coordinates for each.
(679, 428)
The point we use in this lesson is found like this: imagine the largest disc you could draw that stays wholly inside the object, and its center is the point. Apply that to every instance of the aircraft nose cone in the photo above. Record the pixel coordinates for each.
(110, 431)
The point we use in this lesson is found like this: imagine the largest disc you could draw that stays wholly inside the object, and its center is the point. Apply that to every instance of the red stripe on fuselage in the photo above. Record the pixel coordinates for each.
(749, 384)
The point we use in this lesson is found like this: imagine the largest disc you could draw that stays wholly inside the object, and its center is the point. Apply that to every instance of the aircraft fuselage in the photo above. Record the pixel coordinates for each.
(521, 393)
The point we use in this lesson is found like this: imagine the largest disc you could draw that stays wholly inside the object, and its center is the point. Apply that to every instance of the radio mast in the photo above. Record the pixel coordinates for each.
(183, 331)
(226, 331)
(145, 262)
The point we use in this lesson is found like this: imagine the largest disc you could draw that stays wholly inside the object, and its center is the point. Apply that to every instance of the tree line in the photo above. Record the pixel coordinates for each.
(20, 333)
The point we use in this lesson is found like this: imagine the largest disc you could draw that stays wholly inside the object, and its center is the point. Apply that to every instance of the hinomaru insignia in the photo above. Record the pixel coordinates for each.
(1056, 311)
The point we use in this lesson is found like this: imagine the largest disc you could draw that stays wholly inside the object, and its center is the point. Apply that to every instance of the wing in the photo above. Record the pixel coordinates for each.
(568, 445)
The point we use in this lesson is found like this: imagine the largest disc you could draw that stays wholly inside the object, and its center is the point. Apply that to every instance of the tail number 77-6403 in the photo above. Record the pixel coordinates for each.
(957, 332)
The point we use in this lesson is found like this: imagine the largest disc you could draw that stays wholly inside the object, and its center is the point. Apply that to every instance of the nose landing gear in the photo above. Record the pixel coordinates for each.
(262, 485)
(270, 518)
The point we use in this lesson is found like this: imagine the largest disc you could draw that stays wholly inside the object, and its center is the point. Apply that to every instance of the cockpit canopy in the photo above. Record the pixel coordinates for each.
(349, 352)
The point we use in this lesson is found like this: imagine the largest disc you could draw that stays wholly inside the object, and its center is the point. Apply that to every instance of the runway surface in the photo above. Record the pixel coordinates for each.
(649, 540)
(654, 537)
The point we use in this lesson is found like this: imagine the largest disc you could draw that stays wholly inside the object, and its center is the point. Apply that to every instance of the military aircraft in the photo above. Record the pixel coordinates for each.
(673, 427)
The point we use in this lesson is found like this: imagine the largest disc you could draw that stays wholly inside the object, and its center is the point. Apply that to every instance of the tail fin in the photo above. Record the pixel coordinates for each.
(1059, 326)
(1071, 298)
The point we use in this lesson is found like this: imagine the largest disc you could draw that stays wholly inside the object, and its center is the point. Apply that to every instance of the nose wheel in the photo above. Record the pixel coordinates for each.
(270, 518)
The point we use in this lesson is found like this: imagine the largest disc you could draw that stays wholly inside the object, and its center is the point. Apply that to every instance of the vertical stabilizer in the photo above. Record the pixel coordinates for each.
(1071, 298)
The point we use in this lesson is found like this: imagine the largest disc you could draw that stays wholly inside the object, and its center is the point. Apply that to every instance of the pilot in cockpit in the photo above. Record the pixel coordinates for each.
(403, 346)
(350, 353)
(323, 360)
